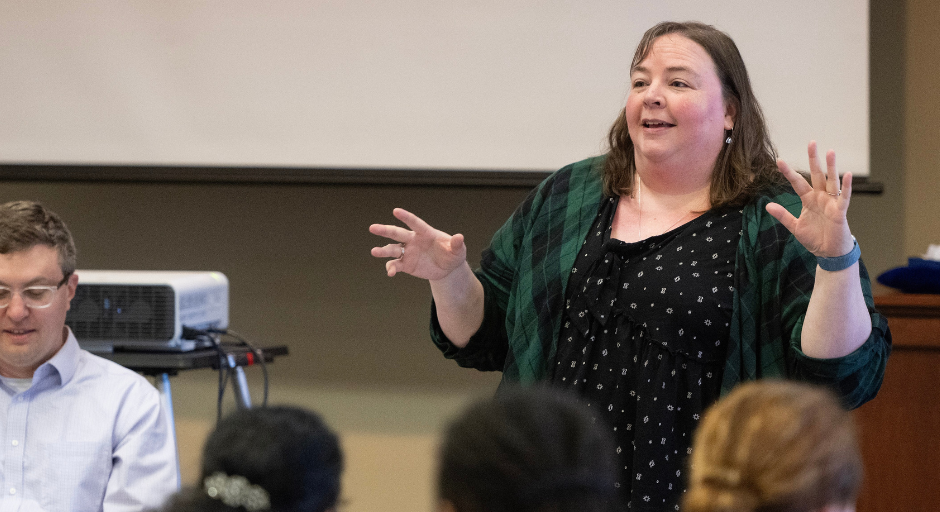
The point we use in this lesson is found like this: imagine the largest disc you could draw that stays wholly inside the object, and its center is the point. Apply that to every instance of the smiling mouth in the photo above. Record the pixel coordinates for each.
(657, 124)
(18, 332)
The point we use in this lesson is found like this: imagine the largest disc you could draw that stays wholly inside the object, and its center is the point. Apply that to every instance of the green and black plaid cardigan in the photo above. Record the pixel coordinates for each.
(525, 270)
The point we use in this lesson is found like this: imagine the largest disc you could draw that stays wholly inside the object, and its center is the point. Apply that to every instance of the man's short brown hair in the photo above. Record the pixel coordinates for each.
(25, 224)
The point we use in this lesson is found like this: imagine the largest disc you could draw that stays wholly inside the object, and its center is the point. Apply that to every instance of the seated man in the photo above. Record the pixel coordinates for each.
(78, 432)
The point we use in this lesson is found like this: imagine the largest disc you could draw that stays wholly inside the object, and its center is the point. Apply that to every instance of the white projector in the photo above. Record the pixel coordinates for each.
(145, 310)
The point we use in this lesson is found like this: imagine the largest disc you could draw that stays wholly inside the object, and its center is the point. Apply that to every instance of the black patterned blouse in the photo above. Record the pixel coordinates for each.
(643, 342)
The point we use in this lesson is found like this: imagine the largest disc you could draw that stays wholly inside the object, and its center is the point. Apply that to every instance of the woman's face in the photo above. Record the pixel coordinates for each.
(676, 112)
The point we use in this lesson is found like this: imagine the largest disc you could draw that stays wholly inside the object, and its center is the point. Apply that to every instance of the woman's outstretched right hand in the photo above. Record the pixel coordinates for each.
(421, 251)
(431, 254)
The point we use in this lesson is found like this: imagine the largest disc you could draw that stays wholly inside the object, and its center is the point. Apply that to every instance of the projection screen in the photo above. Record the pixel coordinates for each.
(421, 84)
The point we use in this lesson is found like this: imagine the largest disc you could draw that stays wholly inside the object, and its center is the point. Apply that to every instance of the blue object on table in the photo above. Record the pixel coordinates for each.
(919, 276)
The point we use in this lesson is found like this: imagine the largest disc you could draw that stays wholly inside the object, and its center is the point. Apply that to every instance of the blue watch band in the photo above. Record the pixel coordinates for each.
(841, 262)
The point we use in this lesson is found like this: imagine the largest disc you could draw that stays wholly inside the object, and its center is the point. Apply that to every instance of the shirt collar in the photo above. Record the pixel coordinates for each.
(65, 361)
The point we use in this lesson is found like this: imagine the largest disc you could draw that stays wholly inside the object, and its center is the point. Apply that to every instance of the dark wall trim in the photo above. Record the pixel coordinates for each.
(266, 175)
(291, 176)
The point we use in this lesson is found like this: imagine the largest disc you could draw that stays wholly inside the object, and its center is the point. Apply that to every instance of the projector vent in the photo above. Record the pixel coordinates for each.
(102, 312)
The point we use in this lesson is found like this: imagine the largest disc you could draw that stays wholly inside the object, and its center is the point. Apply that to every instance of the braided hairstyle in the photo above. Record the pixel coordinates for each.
(287, 451)
(774, 446)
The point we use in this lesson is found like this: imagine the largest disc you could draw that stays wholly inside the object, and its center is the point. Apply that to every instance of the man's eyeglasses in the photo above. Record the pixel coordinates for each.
(35, 297)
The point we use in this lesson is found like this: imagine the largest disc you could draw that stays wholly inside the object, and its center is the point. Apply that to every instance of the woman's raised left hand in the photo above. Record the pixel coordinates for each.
(822, 226)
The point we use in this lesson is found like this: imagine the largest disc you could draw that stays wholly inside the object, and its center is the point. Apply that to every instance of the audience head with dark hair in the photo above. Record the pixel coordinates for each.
(527, 450)
(775, 446)
(282, 459)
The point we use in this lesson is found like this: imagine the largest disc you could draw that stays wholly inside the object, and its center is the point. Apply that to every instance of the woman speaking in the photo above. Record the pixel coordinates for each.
(652, 279)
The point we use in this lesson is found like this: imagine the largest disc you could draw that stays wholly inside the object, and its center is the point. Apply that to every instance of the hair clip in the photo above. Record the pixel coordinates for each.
(237, 491)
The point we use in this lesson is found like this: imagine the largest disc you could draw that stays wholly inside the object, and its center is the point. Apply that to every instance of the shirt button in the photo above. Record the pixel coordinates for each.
(16, 443)
(12, 490)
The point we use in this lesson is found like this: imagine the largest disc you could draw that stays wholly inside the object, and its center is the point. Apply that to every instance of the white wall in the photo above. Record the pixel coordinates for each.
(487, 84)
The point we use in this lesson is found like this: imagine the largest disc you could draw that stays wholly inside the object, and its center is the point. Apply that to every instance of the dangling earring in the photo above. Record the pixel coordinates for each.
(728, 139)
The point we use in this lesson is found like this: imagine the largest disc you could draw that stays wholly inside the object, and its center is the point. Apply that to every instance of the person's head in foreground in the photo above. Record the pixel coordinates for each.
(775, 446)
(527, 450)
(270, 458)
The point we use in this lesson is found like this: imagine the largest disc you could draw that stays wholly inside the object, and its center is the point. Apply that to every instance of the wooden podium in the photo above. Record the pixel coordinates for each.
(900, 428)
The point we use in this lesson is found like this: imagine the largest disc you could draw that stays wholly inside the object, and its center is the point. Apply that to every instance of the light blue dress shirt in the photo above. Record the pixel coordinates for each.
(88, 435)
